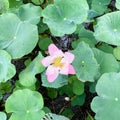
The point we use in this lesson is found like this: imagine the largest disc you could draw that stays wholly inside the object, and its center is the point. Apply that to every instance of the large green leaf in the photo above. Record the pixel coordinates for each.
(30, 12)
(4, 6)
(51, 116)
(106, 61)
(60, 81)
(3, 116)
(108, 28)
(17, 37)
(7, 70)
(27, 76)
(25, 105)
(107, 104)
(85, 64)
(63, 15)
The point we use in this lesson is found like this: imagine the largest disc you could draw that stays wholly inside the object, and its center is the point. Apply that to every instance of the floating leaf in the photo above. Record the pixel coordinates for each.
(3, 116)
(63, 16)
(85, 64)
(7, 70)
(27, 76)
(17, 37)
(30, 12)
(59, 82)
(106, 61)
(108, 28)
(107, 104)
(25, 105)
(51, 116)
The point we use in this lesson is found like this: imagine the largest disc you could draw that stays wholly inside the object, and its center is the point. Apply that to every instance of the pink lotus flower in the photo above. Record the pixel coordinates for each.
(57, 63)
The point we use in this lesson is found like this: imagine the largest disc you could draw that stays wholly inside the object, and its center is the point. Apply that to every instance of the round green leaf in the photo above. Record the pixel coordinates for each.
(15, 3)
(116, 52)
(78, 87)
(17, 37)
(63, 15)
(44, 43)
(3, 116)
(85, 64)
(107, 62)
(4, 5)
(7, 70)
(25, 105)
(108, 28)
(30, 12)
(107, 104)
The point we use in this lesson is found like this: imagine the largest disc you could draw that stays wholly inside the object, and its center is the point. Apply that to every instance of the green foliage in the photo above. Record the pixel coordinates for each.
(107, 101)
(25, 104)
(116, 52)
(17, 34)
(4, 6)
(59, 82)
(60, 16)
(117, 4)
(7, 70)
(85, 64)
(37, 2)
(108, 29)
(27, 76)
(3, 116)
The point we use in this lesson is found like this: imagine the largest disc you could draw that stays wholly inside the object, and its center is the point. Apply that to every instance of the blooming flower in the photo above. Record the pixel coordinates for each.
(57, 63)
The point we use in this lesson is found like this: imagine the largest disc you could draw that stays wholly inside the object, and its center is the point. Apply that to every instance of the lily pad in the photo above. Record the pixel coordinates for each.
(85, 64)
(7, 70)
(63, 16)
(17, 37)
(107, 104)
(108, 28)
(30, 12)
(25, 105)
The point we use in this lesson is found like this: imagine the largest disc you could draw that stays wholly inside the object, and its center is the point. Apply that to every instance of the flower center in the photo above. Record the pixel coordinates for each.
(57, 62)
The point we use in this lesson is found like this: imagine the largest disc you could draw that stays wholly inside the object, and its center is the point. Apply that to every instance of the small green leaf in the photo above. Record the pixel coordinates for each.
(7, 70)
(107, 104)
(3, 116)
(27, 76)
(63, 16)
(15, 3)
(78, 87)
(85, 64)
(117, 4)
(25, 105)
(44, 42)
(37, 2)
(78, 100)
(52, 93)
(116, 52)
